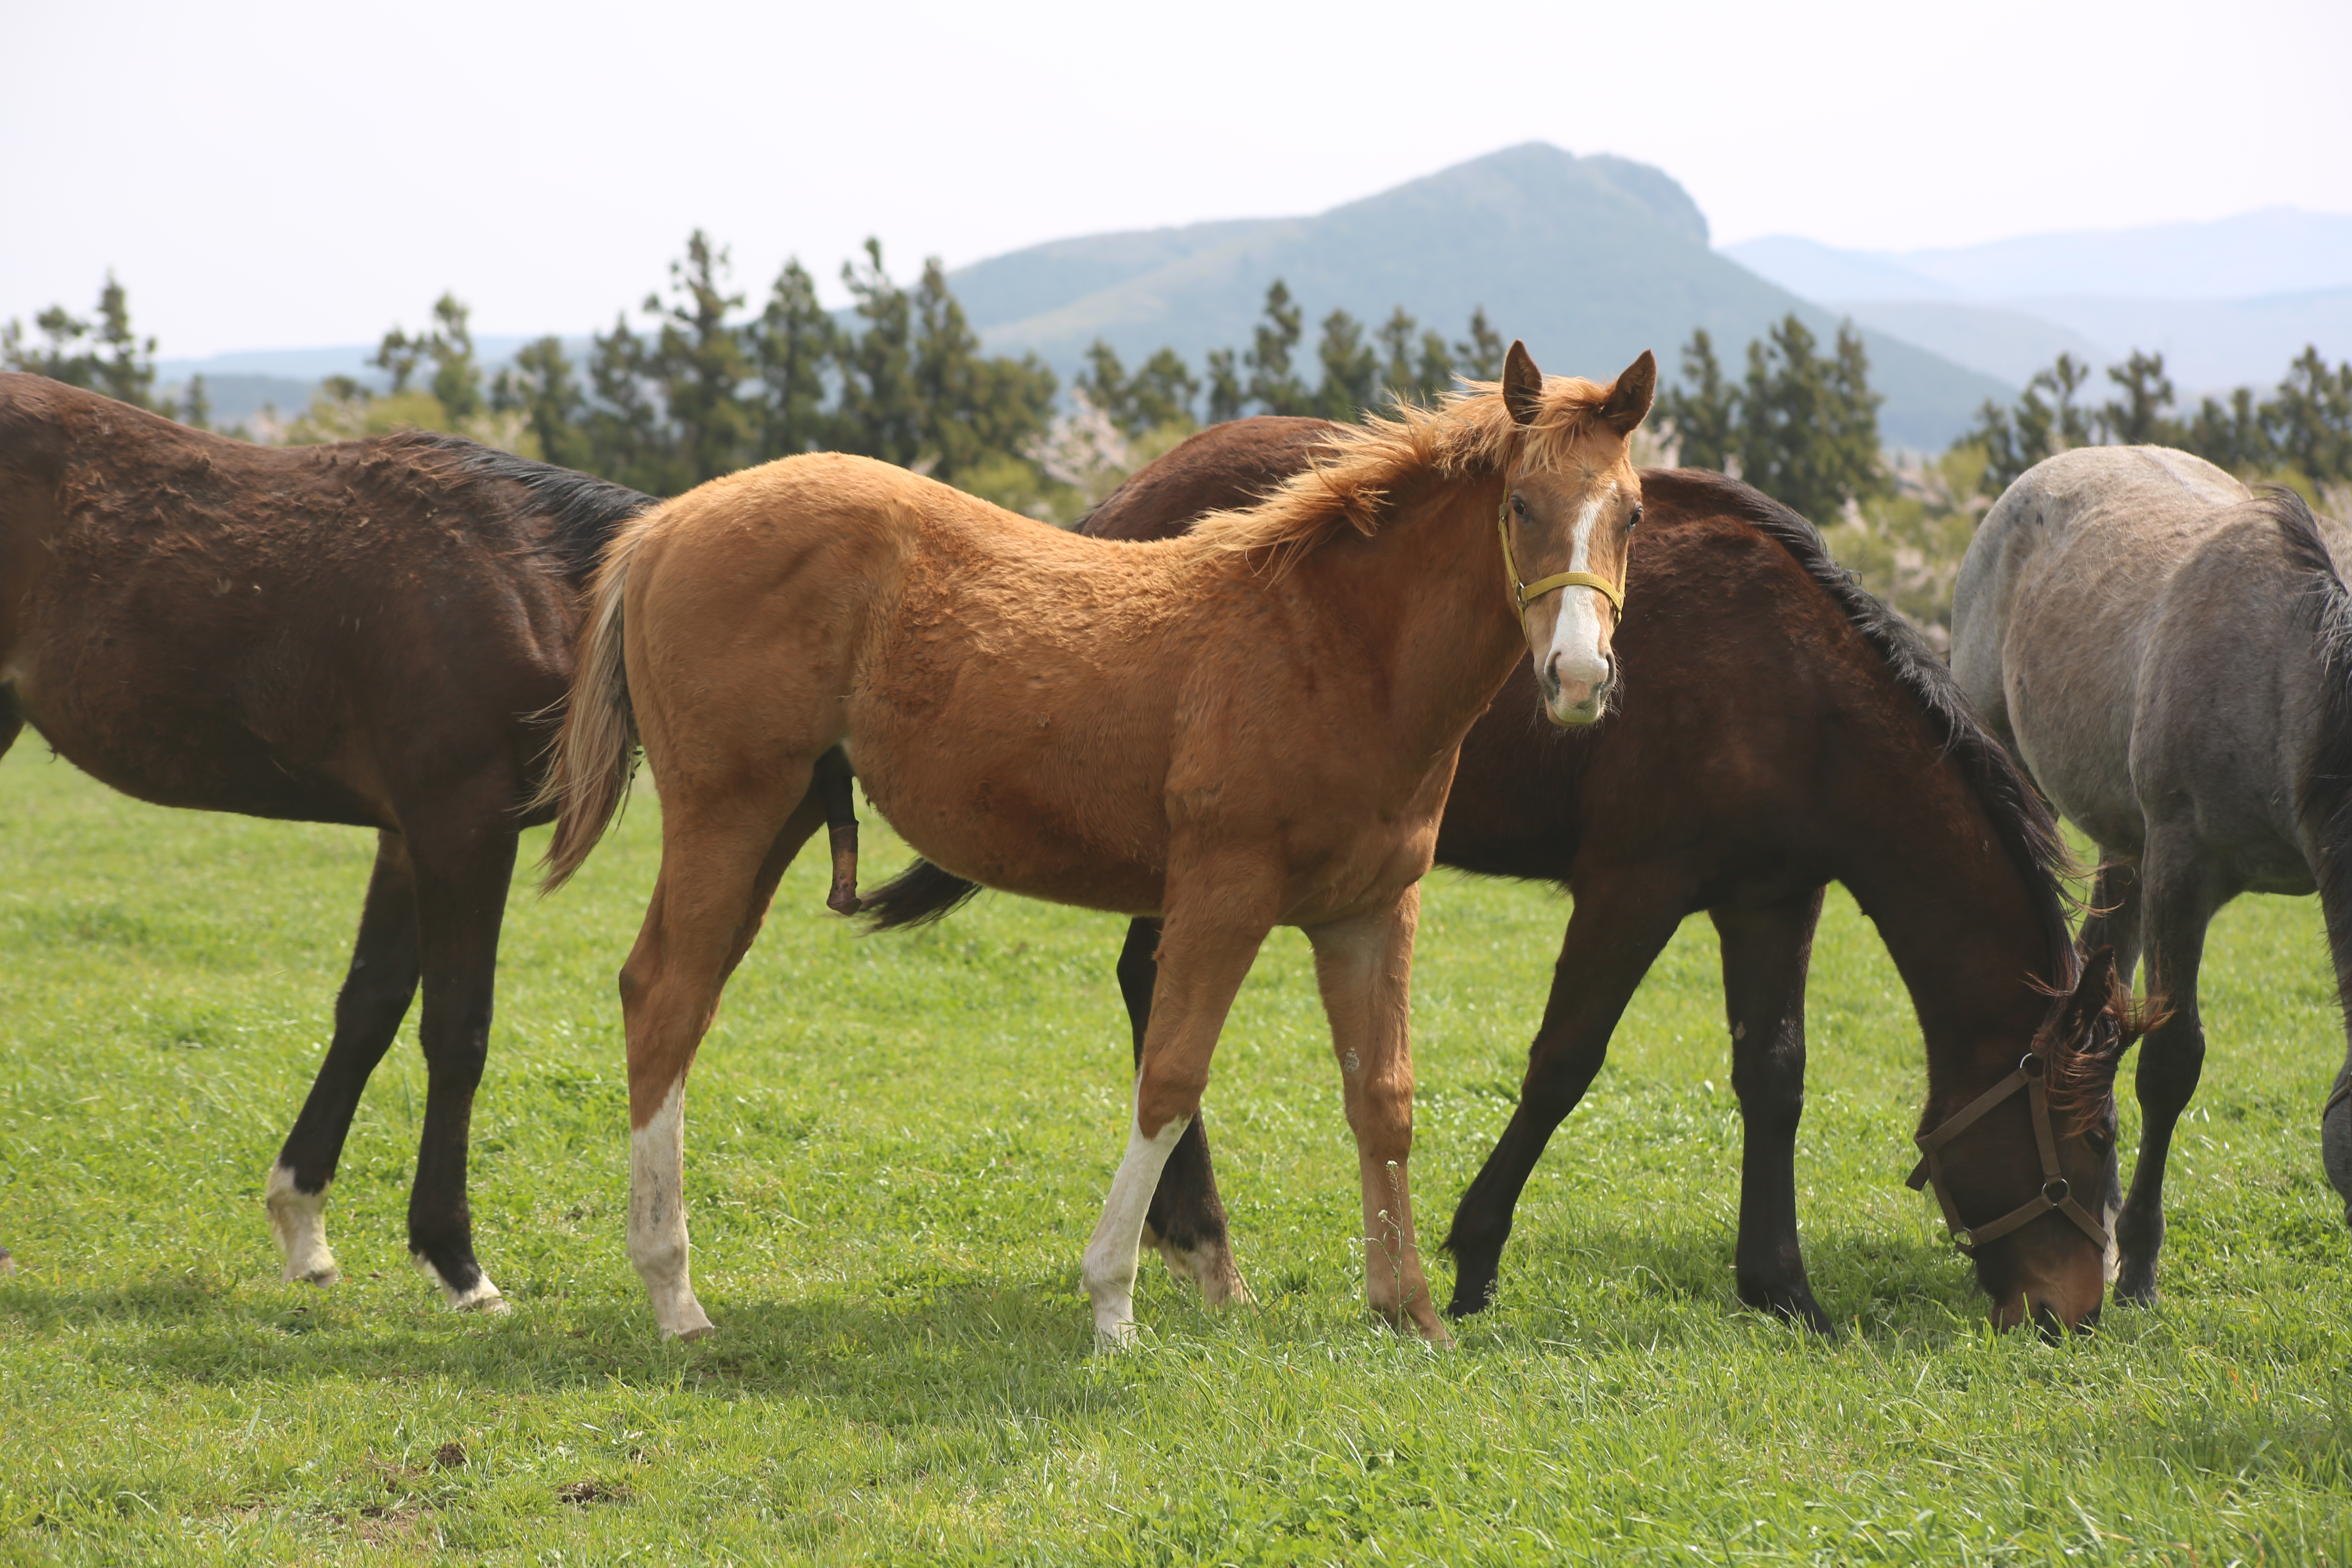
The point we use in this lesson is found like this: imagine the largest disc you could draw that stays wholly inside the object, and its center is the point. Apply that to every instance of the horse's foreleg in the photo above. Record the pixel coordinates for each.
(1364, 969)
(1203, 958)
(463, 862)
(2179, 904)
(1186, 1221)
(1614, 934)
(374, 998)
(1766, 952)
(719, 873)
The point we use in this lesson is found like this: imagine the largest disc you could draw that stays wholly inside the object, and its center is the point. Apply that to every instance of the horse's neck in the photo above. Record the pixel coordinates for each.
(1423, 598)
(1963, 921)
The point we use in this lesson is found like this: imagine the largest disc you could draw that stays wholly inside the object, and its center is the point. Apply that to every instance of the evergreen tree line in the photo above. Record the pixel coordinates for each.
(705, 388)
(1800, 424)
(2303, 429)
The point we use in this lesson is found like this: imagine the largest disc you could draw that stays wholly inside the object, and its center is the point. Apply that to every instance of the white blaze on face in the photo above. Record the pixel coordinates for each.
(658, 1219)
(1575, 658)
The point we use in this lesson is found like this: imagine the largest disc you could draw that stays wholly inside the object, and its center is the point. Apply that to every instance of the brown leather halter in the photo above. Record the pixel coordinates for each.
(2030, 1074)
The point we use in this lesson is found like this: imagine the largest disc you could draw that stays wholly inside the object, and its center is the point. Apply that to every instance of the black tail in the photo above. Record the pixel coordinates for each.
(2325, 609)
(915, 897)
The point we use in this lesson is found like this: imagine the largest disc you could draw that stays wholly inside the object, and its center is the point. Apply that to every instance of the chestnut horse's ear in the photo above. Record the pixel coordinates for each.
(1629, 400)
(1522, 385)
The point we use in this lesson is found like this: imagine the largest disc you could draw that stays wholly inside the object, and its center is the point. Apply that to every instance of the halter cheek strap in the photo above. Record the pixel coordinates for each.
(2031, 1076)
(1528, 593)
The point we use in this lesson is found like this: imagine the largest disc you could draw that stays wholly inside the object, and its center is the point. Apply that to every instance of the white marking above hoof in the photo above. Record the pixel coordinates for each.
(1115, 1339)
(297, 1222)
(483, 1297)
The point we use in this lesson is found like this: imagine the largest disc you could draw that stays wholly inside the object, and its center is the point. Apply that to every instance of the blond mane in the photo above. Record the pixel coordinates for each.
(1351, 480)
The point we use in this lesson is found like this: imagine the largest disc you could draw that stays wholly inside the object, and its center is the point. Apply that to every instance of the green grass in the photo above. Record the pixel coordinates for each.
(898, 1147)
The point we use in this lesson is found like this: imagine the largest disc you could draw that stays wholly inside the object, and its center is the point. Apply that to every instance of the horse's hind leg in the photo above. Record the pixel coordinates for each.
(1766, 952)
(368, 1010)
(463, 859)
(1186, 1221)
(718, 872)
(1614, 934)
(2336, 1114)
(11, 724)
(2180, 899)
(2113, 919)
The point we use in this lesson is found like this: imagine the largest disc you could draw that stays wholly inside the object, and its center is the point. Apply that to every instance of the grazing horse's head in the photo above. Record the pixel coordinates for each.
(1568, 511)
(2030, 1184)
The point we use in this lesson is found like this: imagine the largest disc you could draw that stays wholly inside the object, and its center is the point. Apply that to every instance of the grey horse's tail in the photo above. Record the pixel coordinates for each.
(2325, 609)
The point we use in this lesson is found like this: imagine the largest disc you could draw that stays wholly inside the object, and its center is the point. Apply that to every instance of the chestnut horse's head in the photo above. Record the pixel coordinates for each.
(1568, 511)
(2028, 1184)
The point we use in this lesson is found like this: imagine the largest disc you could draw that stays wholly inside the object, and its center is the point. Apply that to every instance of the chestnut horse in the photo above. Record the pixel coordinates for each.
(1777, 730)
(357, 633)
(1251, 726)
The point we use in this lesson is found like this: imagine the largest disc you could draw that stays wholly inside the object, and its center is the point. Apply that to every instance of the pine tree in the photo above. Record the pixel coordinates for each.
(544, 388)
(1103, 383)
(127, 370)
(1273, 386)
(2038, 428)
(1417, 367)
(1809, 426)
(1704, 407)
(1351, 369)
(881, 412)
(2139, 420)
(398, 357)
(1227, 397)
(196, 410)
(1161, 394)
(2309, 421)
(456, 377)
(626, 438)
(700, 364)
(794, 342)
(2231, 437)
(60, 361)
(1480, 355)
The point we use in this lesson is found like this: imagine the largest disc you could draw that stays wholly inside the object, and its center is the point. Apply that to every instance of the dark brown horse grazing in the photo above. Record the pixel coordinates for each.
(357, 633)
(1774, 729)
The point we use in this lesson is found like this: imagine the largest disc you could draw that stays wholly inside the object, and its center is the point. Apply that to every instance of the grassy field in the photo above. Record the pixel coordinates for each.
(898, 1147)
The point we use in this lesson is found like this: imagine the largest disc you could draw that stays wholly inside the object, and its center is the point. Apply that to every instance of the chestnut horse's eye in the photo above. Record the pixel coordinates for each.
(1635, 519)
(1519, 506)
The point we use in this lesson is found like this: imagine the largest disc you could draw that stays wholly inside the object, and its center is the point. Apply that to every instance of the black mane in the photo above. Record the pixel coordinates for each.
(2027, 826)
(583, 512)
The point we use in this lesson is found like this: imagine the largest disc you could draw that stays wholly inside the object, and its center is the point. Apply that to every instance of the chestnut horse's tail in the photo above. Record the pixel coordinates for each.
(596, 755)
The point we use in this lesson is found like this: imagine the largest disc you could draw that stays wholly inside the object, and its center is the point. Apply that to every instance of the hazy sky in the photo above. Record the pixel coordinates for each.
(266, 175)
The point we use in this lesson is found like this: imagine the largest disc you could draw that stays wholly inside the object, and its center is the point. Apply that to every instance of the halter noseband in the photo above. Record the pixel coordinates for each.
(2031, 1076)
(1528, 593)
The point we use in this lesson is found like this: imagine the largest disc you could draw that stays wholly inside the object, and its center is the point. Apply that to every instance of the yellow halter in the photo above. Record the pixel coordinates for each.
(1528, 593)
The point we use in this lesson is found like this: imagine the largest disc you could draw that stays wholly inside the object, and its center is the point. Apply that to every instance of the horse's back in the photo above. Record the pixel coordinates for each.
(202, 622)
(2131, 611)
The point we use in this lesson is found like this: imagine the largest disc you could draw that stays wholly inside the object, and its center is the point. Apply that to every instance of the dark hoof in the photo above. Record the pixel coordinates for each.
(7, 1263)
(1474, 1292)
(2135, 1284)
(2335, 1150)
(1796, 1305)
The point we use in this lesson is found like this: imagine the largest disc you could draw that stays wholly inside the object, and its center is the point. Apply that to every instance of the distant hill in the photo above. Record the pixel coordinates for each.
(2227, 302)
(1590, 259)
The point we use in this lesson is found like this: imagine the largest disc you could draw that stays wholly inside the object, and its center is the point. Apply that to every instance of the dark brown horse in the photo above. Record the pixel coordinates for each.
(358, 634)
(1774, 729)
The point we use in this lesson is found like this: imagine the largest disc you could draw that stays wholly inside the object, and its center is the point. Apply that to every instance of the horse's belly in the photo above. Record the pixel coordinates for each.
(1072, 830)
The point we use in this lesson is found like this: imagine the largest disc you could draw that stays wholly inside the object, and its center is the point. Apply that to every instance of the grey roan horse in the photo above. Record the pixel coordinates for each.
(2170, 656)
